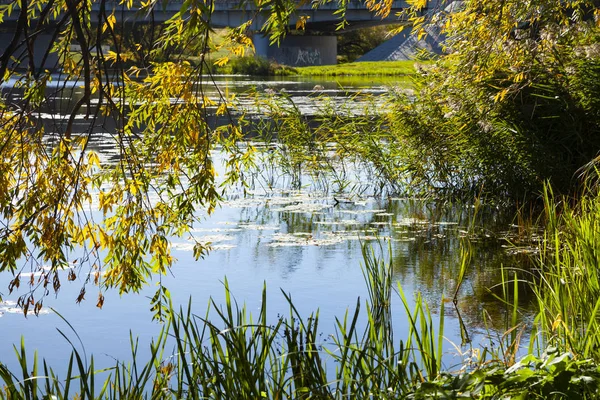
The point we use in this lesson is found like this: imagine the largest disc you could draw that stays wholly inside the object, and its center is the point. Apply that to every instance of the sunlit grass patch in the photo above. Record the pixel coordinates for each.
(382, 68)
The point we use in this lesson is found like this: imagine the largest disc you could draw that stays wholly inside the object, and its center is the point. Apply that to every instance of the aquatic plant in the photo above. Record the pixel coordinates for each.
(513, 104)
(567, 283)
(228, 353)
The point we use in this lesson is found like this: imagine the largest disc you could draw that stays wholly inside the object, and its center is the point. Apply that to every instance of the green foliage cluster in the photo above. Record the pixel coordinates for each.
(255, 66)
(354, 43)
(554, 375)
(320, 146)
(512, 104)
(53, 180)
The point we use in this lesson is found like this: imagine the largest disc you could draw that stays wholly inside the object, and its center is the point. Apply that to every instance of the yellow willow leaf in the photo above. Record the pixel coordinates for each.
(105, 240)
(111, 55)
(239, 51)
(222, 109)
(417, 20)
(301, 23)
(110, 22)
(397, 30)
(221, 61)
(519, 77)
(93, 159)
(208, 102)
(418, 4)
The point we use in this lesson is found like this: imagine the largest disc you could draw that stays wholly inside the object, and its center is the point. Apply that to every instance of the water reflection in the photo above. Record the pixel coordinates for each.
(307, 242)
(425, 238)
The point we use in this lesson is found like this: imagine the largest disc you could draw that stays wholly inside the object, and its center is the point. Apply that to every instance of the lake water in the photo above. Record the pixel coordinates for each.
(304, 242)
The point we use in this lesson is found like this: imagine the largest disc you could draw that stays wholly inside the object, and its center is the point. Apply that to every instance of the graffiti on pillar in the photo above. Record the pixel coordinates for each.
(298, 56)
(308, 57)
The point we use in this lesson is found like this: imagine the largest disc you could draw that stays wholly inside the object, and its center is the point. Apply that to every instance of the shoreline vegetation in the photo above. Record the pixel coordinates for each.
(366, 68)
(261, 67)
(510, 117)
(229, 353)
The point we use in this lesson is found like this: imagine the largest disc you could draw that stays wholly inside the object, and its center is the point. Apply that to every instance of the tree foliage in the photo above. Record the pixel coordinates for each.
(355, 43)
(66, 207)
(515, 102)
(510, 106)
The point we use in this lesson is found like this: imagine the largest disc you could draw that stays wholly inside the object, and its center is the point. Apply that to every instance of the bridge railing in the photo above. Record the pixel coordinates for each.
(180, 2)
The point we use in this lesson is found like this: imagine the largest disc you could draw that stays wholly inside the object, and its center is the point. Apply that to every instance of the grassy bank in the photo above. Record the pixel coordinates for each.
(261, 67)
(371, 68)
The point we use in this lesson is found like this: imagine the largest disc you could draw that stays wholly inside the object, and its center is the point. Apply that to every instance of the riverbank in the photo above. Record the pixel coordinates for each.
(261, 67)
(371, 68)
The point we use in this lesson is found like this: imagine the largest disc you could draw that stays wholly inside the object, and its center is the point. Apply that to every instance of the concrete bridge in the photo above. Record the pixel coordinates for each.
(317, 45)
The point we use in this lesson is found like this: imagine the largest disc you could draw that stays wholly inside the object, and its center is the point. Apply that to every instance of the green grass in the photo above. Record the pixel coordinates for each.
(568, 284)
(228, 353)
(371, 68)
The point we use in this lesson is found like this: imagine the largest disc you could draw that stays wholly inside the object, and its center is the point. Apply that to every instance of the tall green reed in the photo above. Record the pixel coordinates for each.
(567, 286)
(230, 353)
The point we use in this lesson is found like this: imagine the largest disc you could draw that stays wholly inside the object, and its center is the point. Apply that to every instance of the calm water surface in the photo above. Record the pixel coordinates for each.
(306, 243)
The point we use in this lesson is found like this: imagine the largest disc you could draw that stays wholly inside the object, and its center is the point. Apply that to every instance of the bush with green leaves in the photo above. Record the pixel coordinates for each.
(512, 105)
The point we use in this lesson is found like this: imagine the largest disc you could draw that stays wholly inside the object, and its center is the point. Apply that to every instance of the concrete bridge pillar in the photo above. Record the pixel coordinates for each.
(298, 51)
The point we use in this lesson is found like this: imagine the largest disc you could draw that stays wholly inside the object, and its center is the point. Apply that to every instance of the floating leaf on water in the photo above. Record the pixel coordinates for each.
(286, 240)
(244, 203)
(214, 238)
(523, 250)
(345, 222)
(303, 208)
(282, 201)
(287, 237)
(372, 237)
(359, 212)
(185, 246)
(352, 235)
(259, 227)
(408, 198)
(380, 223)
(363, 231)
(215, 230)
(223, 247)
(408, 239)
(411, 222)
